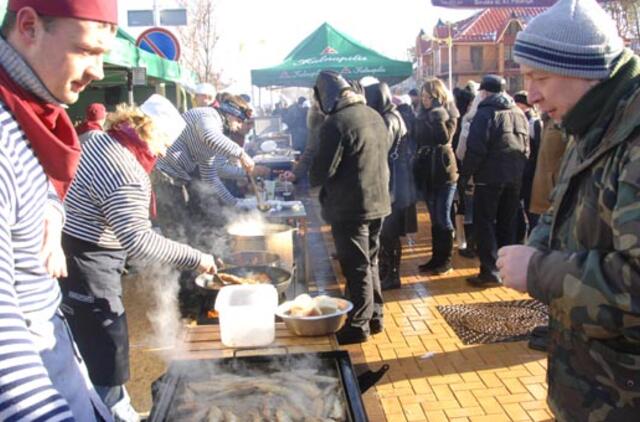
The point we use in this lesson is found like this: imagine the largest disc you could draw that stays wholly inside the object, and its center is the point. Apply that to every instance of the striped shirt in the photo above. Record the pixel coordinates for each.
(196, 148)
(28, 295)
(108, 205)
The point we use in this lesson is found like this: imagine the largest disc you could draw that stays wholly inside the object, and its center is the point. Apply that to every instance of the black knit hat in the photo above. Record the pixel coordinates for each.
(522, 97)
(493, 83)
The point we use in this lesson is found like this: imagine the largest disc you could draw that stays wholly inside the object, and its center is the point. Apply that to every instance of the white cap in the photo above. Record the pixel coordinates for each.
(205, 88)
(166, 118)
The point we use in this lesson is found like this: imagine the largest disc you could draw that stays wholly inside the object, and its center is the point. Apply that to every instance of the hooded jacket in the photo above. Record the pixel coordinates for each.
(351, 163)
(498, 142)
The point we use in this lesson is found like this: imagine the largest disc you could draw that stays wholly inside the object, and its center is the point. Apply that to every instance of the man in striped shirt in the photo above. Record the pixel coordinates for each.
(50, 51)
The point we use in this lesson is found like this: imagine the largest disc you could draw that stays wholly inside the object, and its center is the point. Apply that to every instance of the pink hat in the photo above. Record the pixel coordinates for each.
(95, 112)
(99, 11)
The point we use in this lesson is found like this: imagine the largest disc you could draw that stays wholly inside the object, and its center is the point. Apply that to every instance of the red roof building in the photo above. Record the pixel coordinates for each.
(480, 44)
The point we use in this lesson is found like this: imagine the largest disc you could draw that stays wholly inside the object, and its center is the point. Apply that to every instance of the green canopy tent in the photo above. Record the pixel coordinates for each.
(328, 49)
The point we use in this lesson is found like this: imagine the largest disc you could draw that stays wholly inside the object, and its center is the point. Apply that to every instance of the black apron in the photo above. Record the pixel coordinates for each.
(92, 304)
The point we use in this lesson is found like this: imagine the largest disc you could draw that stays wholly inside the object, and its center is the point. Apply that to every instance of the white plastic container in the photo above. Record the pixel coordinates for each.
(247, 315)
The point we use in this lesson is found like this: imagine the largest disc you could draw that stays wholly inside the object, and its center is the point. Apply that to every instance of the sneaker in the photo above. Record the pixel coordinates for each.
(428, 266)
(483, 280)
(123, 411)
(350, 335)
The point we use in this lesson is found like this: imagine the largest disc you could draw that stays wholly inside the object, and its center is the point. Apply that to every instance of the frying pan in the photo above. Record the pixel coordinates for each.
(280, 278)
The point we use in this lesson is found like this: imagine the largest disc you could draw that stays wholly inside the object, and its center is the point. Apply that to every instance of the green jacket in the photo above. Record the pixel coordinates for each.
(587, 268)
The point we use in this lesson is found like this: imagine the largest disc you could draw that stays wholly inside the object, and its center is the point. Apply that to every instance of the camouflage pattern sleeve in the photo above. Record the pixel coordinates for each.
(597, 290)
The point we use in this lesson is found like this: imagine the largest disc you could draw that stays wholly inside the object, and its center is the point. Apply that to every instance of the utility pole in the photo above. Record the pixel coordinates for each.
(156, 13)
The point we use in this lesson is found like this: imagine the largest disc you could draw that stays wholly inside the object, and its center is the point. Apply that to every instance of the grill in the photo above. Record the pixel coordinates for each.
(198, 390)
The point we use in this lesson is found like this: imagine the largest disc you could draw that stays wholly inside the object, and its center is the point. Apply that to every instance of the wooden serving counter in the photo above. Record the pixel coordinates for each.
(203, 342)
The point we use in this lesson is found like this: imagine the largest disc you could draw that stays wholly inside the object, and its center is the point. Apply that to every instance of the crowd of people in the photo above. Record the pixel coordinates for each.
(540, 185)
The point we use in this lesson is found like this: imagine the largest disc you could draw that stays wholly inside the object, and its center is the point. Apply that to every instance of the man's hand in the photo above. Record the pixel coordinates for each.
(261, 171)
(513, 262)
(51, 252)
(247, 162)
(207, 264)
(288, 176)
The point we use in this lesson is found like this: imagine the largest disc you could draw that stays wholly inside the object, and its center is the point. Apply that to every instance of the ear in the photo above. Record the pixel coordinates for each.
(27, 25)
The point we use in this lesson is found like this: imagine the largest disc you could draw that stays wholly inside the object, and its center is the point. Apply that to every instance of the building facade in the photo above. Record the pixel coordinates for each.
(478, 45)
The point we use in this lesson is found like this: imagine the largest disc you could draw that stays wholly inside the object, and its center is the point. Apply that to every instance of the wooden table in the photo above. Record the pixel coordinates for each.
(203, 342)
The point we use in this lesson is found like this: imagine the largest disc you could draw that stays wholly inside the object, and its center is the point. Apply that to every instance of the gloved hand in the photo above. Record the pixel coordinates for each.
(207, 264)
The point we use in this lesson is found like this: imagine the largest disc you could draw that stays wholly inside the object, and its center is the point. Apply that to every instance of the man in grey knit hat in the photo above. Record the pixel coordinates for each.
(583, 258)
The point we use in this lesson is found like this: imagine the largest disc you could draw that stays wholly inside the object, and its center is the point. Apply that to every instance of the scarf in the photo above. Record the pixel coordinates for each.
(48, 129)
(129, 138)
(87, 126)
(596, 108)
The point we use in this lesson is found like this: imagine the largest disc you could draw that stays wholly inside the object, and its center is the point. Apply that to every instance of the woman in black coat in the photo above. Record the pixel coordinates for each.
(401, 186)
(436, 171)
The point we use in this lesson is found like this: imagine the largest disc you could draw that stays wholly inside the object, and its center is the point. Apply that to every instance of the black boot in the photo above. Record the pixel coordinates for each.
(444, 247)
(470, 250)
(392, 280)
(435, 260)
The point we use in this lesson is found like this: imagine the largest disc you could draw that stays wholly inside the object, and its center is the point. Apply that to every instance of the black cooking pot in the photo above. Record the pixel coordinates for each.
(278, 277)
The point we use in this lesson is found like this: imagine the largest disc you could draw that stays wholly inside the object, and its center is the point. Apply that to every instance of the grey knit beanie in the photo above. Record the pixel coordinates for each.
(573, 38)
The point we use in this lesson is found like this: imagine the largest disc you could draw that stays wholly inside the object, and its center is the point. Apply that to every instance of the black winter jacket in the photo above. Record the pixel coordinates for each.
(351, 164)
(498, 142)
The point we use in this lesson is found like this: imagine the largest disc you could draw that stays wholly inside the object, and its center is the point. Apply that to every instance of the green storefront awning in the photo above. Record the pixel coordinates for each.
(328, 49)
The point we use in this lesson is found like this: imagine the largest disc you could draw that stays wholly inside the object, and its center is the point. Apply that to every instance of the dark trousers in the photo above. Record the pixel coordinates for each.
(494, 212)
(357, 245)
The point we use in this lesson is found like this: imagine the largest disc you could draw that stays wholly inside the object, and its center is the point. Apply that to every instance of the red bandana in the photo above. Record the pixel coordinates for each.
(128, 138)
(88, 125)
(48, 129)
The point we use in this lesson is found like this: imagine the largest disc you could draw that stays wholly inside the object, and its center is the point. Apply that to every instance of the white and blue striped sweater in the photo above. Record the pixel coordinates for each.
(108, 205)
(29, 297)
(197, 147)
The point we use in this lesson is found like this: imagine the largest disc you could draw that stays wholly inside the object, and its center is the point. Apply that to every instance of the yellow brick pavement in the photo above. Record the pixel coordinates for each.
(433, 376)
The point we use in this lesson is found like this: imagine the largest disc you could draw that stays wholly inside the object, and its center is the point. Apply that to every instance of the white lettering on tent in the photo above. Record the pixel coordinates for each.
(331, 59)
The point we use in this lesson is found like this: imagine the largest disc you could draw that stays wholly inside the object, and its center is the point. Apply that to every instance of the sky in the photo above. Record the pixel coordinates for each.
(256, 34)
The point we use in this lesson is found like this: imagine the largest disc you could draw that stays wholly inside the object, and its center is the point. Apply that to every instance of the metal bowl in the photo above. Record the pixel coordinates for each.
(315, 325)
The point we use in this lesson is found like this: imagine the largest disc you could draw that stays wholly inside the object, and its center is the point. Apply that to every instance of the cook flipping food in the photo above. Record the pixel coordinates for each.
(107, 222)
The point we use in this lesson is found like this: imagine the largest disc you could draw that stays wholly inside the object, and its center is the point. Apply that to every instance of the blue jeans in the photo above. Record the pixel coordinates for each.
(439, 201)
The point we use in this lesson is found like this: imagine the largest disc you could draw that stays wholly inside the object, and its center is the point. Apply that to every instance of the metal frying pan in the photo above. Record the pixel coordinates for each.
(279, 278)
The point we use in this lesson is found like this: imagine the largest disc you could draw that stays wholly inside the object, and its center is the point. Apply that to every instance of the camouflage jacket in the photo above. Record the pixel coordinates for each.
(588, 272)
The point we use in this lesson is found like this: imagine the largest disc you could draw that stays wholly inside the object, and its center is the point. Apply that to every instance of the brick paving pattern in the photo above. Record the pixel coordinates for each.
(433, 376)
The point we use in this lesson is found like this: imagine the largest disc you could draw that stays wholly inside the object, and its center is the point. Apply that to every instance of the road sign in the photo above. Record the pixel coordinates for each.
(161, 42)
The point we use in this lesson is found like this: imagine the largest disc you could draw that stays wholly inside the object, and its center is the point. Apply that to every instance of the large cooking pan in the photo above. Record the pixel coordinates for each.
(279, 278)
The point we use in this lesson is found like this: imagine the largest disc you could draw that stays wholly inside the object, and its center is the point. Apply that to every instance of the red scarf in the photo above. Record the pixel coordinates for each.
(128, 138)
(48, 129)
(87, 126)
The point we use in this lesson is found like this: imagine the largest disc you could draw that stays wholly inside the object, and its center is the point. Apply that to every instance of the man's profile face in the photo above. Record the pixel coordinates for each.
(554, 94)
(234, 123)
(203, 100)
(68, 56)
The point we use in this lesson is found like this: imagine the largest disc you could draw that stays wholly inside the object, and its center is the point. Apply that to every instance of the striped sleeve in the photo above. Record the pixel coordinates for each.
(228, 170)
(210, 133)
(126, 210)
(209, 174)
(54, 201)
(26, 392)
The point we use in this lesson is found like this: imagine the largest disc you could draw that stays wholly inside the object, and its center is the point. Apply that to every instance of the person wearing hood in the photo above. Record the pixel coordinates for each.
(496, 155)
(108, 221)
(436, 171)
(351, 166)
(94, 118)
(401, 186)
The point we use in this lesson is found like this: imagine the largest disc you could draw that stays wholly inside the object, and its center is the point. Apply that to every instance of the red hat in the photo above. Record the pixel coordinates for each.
(99, 11)
(95, 112)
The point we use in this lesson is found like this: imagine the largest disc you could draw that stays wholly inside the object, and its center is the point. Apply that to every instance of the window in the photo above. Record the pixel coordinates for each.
(140, 17)
(173, 17)
(476, 58)
(508, 52)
